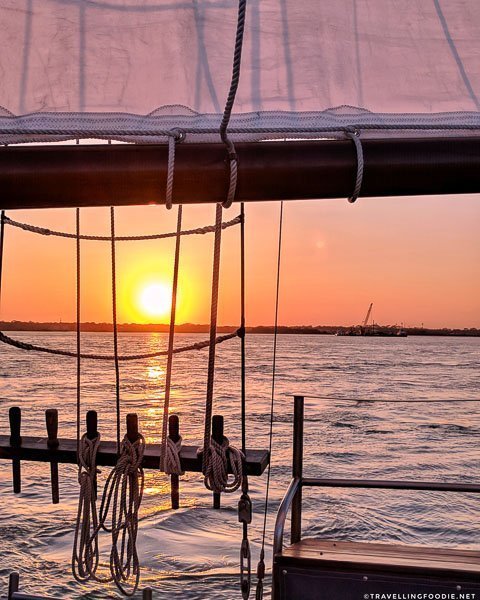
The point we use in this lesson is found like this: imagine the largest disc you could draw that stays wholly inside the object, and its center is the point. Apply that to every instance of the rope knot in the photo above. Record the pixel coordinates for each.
(172, 462)
(220, 459)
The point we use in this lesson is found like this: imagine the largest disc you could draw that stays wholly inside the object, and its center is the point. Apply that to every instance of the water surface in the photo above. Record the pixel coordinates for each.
(192, 553)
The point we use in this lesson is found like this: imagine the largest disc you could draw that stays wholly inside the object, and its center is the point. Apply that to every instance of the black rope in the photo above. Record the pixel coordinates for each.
(237, 58)
(115, 326)
(261, 563)
(227, 113)
(77, 229)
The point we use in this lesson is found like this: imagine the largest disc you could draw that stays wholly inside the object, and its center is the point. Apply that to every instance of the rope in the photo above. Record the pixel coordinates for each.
(121, 501)
(120, 238)
(242, 329)
(5, 339)
(115, 327)
(170, 173)
(213, 332)
(245, 504)
(85, 555)
(237, 60)
(119, 134)
(177, 135)
(261, 563)
(355, 137)
(2, 238)
(222, 458)
(78, 338)
(172, 464)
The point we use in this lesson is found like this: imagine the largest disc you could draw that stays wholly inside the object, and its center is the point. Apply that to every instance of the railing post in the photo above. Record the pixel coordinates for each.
(297, 467)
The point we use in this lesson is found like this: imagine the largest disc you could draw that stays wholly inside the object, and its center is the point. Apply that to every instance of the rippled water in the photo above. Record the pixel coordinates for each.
(192, 553)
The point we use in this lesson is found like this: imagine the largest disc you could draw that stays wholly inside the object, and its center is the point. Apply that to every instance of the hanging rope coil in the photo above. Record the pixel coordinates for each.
(5, 339)
(119, 238)
(120, 505)
(221, 459)
(227, 113)
(85, 556)
(354, 135)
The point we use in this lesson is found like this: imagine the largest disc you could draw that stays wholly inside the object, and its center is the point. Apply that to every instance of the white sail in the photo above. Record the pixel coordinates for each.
(132, 69)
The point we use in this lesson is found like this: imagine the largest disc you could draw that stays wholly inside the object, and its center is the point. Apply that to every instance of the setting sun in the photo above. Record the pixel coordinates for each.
(155, 300)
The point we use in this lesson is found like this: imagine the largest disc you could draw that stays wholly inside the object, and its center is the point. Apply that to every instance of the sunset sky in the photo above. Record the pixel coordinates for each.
(416, 259)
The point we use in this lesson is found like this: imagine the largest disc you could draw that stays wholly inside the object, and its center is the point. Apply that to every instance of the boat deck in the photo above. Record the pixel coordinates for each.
(390, 557)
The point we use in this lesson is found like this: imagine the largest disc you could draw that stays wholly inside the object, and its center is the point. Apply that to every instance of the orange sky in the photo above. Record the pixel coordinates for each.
(416, 259)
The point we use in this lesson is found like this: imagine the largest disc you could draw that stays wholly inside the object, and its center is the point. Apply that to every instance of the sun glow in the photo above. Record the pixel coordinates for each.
(155, 300)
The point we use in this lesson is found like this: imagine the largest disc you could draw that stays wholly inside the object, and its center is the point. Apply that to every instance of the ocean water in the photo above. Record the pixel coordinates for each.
(192, 553)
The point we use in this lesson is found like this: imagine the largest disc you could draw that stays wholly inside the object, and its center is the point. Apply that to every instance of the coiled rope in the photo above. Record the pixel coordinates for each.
(120, 238)
(120, 504)
(223, 457)
(85, 555)
(227, 113)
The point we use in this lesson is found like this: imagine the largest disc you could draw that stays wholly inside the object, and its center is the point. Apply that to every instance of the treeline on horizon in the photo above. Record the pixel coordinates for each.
(198, 328)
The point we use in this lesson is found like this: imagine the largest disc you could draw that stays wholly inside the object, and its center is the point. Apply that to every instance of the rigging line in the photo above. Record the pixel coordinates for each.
(77, 228)
(171, 339)
(261, 564)
(227, 113)
(115, 326)
(245, 504)
(213, 333)
(242, 327)
(2, 237)
(5, 339)
(120, 238)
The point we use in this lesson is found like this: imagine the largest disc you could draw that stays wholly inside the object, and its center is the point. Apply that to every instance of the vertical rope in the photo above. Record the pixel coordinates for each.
(245, 503)
(77, 231)
(115, 326)
(242, 327)
(354, 135)
(261, 563)
(170, 172)
(213, 334)
(2, 237)
(237, 60)
(171, 337)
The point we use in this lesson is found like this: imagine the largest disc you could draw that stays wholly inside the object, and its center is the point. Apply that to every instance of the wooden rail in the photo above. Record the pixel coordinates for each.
(37, 449)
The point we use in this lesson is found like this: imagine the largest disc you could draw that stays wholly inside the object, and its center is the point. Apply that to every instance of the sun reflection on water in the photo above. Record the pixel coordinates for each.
(155, 372)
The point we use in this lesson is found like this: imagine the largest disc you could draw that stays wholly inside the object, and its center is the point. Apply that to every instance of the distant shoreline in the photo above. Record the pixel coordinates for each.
(201, 328)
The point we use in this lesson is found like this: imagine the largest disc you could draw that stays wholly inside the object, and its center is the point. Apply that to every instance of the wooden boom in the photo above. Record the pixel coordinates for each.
(127, 174)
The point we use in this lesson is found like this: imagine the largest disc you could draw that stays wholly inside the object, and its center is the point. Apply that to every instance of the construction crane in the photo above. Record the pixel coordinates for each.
(369, 312)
